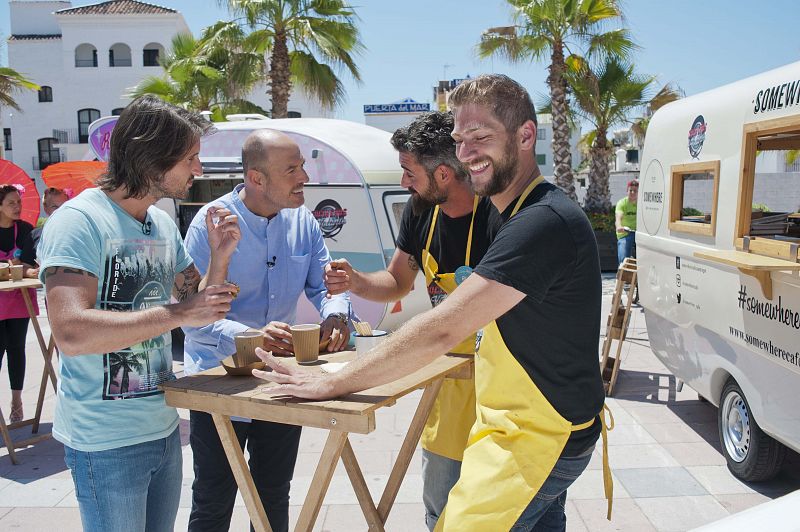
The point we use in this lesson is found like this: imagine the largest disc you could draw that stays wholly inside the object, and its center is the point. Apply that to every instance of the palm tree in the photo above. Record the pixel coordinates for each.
(304, 40)
(11, 82)
(558, 29)
(207, 74)
(605, 95)
(668, 94)
(125, 363)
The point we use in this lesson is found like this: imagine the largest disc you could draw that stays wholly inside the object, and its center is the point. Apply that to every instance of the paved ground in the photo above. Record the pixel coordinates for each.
(668, 470)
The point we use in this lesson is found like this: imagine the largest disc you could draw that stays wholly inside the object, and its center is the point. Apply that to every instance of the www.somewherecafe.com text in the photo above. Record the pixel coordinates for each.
(767, 346)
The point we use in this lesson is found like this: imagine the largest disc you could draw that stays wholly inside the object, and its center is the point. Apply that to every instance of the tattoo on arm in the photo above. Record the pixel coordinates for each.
(186, 283)
(52, 270)
(412, 263)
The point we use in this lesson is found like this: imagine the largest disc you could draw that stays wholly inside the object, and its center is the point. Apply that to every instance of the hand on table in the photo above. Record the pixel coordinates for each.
(292, 380)
(278, 338)
(337, 331)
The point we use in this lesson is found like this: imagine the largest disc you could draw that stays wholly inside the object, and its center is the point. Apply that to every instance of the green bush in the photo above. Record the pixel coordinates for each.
(602, 221)
(691, 211)
(761, 207)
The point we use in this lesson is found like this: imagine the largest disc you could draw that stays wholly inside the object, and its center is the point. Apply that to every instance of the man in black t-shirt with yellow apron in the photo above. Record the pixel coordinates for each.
(444, 231)
(535, 300)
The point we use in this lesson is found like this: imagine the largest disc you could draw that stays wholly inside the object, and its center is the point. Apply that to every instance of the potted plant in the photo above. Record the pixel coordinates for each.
(606, 235)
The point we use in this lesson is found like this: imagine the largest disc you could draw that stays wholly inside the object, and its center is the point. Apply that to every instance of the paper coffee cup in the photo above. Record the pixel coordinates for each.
(246, 343)
(365, 343)
(16, 272)
(5, 272)
(305, 339)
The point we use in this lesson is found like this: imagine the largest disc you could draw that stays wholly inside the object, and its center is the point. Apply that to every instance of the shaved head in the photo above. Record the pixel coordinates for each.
(259, 144)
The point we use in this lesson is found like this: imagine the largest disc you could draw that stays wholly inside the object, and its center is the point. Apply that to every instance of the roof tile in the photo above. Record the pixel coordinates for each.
(117, 7)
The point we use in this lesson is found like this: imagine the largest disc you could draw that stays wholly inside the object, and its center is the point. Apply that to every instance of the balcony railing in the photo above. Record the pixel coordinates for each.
(53, 158)
(66, 136)
(120, 62)
(86, 62)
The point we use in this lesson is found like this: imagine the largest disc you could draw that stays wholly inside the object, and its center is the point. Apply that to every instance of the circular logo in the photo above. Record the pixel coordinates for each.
(651, 197)
(697, 135)
(461, 274)
(330, 216)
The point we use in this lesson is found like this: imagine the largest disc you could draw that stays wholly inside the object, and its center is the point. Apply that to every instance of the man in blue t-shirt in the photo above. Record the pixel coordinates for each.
(110, 261)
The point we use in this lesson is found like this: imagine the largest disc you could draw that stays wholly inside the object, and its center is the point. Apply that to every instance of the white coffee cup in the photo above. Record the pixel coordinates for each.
(365, 343)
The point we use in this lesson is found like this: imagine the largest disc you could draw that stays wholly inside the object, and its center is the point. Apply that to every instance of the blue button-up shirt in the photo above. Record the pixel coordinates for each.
(276, 260)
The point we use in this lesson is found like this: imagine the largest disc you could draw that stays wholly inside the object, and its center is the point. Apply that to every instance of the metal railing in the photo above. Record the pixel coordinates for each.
(55, 157)
(120, 62)
(85, 62)
(66, 135)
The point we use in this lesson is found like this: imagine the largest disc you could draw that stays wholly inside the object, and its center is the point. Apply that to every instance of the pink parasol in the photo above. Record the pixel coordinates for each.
(11, 174)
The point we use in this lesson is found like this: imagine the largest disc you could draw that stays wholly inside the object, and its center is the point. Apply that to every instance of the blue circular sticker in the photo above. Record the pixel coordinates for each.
(461, 273)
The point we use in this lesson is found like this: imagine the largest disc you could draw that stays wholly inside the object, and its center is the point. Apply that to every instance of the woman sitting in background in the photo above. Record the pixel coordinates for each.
(16, 247)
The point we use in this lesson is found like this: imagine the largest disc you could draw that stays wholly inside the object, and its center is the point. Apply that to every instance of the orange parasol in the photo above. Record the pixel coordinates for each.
(11, 174)
(73, 176)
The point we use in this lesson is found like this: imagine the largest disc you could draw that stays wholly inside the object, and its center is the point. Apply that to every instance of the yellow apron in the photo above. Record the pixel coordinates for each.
(453, 414)
(517, 438)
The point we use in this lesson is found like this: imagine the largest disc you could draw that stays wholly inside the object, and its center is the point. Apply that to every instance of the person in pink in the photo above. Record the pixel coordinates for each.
(16, 247)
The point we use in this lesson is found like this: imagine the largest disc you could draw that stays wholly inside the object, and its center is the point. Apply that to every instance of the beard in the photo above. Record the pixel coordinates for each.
(421, 202)
(503, 172)
(160, 188)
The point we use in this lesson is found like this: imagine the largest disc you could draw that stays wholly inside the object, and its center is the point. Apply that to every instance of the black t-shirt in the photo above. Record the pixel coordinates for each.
(449, 242)
(548, 251)
(24, 241)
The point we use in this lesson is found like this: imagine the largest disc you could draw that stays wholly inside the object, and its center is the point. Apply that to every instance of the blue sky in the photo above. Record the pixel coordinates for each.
(410, 45)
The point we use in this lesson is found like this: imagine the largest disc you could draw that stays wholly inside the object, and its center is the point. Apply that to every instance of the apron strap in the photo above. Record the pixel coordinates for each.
(426, 256)
(608, 482)
(471, 223)
(525, 194)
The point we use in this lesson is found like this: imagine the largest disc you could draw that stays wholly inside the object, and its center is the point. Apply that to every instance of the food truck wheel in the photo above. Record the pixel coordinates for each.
(751, 454)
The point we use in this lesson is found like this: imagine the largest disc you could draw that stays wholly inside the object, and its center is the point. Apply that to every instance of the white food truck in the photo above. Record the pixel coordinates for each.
(354, 192)
(718, 269)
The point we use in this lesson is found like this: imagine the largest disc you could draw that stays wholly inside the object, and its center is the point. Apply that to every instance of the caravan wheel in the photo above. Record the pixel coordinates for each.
(751, 454)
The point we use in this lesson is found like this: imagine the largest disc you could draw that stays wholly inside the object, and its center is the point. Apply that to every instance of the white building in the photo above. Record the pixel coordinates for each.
(86, 59)
(544, 145)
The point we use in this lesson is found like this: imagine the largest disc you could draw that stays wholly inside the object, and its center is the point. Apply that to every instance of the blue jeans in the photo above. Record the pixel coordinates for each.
(626, 247)
(128, 489)
(545, 513)
(439, 475)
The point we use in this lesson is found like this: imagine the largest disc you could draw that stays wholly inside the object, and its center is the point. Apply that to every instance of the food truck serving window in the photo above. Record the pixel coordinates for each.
(693, 201)
(767, 217)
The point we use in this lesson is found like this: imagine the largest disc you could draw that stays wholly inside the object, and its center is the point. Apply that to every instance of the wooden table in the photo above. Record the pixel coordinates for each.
(47, 372)
(223, 396)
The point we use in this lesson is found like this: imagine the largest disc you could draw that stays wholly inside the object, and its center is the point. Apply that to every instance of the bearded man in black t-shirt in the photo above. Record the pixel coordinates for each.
(535, 296)
(443, 232)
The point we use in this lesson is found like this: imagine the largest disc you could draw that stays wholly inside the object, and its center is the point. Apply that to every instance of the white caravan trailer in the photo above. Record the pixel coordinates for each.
(718, 278)
(354, 192)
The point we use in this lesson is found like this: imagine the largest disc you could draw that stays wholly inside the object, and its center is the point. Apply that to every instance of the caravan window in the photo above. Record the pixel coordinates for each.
(395, 202)
(693, 203)
(768, 209)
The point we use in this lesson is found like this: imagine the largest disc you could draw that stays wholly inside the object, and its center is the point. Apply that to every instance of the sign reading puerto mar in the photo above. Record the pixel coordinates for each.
(397, 108)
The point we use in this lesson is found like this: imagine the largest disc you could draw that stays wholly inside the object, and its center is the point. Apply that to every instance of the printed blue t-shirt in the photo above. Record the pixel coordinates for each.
(110, 400)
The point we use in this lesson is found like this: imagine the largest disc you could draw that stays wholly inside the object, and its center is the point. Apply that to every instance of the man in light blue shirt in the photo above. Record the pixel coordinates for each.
(281, 255)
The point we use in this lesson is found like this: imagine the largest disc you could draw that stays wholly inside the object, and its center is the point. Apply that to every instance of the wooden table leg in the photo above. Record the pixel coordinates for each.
(7, 439)
(407, 449)
(374, 521)
(322, 479)
(48, 367)
(241, 473)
